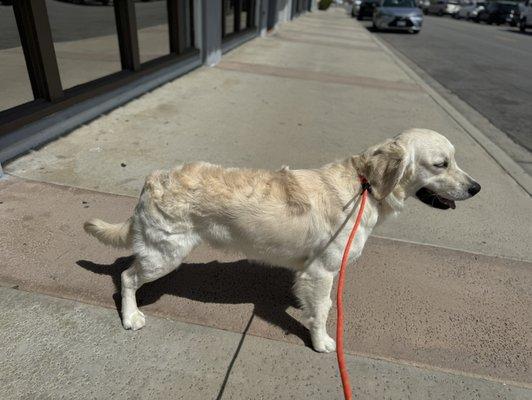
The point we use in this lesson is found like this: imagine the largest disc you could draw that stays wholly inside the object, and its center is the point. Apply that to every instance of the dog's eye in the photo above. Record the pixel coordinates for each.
(444, 164)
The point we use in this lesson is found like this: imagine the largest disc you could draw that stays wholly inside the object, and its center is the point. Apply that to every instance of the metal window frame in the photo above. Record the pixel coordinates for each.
(41, 61)
(299, 7)
(39, 53)
(251, 25)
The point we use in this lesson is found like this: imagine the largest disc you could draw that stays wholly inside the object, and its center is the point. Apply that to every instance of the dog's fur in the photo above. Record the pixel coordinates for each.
(298, 219)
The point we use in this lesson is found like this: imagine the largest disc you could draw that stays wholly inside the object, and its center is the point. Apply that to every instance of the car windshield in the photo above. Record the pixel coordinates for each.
(507, 7)
(399, 3)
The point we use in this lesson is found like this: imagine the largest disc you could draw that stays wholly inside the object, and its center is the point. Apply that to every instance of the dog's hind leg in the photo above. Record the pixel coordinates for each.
(313, 289)
(153, 262)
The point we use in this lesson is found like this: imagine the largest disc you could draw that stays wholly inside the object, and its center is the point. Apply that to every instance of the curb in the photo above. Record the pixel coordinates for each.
(518, 174)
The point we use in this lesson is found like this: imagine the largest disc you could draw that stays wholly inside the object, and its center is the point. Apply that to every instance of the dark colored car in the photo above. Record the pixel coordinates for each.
(495, 13)
(514, 17)
(366, 9)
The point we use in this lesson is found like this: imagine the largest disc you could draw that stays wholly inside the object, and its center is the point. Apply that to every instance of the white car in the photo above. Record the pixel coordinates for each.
(442, 7)
(525, 18)
(468, 11)
(355, 7)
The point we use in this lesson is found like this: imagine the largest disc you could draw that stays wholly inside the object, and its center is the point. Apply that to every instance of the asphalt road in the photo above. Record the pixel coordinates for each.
(70, 21)
(488, 67)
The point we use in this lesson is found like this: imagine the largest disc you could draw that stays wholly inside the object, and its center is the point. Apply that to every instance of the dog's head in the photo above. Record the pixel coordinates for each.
(418, 162)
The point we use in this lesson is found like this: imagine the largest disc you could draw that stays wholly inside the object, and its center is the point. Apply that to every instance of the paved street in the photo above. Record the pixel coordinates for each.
(489, 67)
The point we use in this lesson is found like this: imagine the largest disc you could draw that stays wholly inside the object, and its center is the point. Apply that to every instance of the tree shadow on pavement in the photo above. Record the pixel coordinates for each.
(269, 289)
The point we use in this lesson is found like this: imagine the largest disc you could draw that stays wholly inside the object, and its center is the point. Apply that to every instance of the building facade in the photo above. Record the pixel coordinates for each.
(64, 62)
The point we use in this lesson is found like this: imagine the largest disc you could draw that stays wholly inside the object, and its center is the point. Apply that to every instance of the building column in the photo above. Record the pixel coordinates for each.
(263, 16)
(211, 32)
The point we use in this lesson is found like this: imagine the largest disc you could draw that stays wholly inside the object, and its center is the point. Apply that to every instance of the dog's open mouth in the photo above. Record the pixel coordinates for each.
(432, 199)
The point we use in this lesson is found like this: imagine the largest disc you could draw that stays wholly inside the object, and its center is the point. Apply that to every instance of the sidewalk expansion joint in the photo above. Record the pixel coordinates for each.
(313, 42)
(301, 74)
(390, 360)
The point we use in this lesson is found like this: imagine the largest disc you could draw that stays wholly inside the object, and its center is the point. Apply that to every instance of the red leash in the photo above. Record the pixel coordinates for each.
(339, 297)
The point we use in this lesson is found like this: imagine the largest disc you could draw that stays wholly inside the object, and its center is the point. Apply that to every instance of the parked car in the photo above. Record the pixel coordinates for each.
(398, 15)
(442, 7)
(470, 11)
(366, 9)
(515, 16)
(495, 13)
(423, 5)
(525, 16)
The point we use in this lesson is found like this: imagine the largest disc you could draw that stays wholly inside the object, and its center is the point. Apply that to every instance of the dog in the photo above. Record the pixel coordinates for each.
(299, 219)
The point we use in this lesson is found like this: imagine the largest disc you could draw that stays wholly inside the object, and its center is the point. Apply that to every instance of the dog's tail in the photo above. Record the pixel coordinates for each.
(116, 235)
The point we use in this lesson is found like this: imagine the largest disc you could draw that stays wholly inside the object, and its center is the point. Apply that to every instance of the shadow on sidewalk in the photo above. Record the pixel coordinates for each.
(269, 289)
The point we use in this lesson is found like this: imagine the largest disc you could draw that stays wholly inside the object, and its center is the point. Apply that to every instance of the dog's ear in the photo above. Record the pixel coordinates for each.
(383, 166)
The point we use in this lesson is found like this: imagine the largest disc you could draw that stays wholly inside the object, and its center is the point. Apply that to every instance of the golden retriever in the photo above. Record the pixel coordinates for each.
(299, 219)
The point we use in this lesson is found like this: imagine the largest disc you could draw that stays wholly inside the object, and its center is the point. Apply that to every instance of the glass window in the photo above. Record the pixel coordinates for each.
(152, 25)
(245, 13)
(228, 16)
(15, 84)
(85, 40)
(244, 19)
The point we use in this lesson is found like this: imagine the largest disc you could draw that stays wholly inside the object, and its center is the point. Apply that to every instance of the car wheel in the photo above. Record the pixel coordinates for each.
(440, 13)
(359, 17)
(426, 12)
(522, 25)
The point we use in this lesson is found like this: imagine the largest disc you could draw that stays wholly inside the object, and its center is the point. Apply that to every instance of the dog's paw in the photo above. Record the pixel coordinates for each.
(134, 321)
(324, 344)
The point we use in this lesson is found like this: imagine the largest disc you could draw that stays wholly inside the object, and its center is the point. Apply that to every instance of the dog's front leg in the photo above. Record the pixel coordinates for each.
(313, 289)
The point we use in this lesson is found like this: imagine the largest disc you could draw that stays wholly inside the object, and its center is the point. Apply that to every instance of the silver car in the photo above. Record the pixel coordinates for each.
(398, 15)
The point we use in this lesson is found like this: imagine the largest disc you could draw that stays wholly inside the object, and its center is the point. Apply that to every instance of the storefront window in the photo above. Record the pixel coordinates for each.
(237, 16)
(14, 80)
(85, 40)
(152, 25)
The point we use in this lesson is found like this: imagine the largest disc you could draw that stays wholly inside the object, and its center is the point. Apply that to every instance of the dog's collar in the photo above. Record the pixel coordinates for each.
(365, 184)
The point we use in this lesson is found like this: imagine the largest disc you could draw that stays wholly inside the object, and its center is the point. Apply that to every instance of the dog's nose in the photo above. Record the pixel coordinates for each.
(474, 189)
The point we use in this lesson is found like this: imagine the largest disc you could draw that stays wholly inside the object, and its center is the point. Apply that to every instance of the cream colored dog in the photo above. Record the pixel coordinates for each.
(299, 219)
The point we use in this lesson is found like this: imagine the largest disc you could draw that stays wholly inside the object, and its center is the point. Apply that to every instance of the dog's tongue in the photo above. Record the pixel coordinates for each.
(448, 202)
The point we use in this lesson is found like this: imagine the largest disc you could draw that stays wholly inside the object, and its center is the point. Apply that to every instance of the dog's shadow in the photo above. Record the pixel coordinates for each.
(269, 289)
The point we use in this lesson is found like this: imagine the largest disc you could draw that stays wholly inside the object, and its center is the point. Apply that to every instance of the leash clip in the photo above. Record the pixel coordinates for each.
(365, 184)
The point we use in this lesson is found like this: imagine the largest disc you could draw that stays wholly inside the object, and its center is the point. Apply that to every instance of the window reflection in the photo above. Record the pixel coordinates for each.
(85, 40)
(152, 25)
(14, 81)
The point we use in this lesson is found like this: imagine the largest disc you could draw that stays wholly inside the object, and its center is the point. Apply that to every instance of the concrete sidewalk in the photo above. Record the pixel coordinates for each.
(55, 348)
(435, 310)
